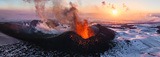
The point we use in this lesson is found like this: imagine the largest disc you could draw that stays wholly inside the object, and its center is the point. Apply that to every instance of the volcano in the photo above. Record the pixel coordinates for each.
(68, 40)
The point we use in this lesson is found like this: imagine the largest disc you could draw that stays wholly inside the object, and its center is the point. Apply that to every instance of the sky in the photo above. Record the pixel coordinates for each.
(111, 10)
(15, 5)
(144, 5)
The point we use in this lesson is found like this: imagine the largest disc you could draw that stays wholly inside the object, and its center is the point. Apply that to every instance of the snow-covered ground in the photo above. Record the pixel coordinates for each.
(143, 41)
(5, 40)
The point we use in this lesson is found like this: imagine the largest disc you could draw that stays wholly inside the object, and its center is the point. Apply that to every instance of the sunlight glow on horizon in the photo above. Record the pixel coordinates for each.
(143, 5)
(114, 12)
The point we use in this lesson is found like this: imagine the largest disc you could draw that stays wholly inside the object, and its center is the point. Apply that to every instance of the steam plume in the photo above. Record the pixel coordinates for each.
(40, 8)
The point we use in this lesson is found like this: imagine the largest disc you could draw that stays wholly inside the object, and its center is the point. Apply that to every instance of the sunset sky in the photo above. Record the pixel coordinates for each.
(113, 10)
(144, 5)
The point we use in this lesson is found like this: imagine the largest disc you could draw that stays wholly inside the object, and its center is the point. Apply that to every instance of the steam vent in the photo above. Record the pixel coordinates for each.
(69, 40)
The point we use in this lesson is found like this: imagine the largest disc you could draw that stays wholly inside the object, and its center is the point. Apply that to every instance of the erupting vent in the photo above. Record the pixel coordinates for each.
(84, 30)
(81, 28)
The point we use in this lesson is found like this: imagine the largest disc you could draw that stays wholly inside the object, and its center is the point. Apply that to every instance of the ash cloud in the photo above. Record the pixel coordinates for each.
(58, 10)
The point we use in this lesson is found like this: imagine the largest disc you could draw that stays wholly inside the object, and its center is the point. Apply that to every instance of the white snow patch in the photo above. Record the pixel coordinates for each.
(57, 30)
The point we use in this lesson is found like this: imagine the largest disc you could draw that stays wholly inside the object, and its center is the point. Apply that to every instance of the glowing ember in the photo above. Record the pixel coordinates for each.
(83, 29)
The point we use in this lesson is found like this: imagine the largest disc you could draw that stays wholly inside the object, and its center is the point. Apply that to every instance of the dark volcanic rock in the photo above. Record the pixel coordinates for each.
(34, 23)
(26, 49)
(158, 31)
(67, 41)
(158, 27)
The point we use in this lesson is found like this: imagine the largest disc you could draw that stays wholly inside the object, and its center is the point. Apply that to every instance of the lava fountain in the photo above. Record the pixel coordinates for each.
(81, 28)
(84, 30)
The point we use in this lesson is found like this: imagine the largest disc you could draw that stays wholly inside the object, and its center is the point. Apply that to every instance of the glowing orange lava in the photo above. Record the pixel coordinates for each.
(83, 29)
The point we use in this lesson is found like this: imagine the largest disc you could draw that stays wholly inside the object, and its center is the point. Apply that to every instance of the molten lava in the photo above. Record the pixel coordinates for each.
(83, 29)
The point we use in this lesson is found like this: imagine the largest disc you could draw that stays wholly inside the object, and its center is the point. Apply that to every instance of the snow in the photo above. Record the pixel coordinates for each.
(5, 40)
(144, 42)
